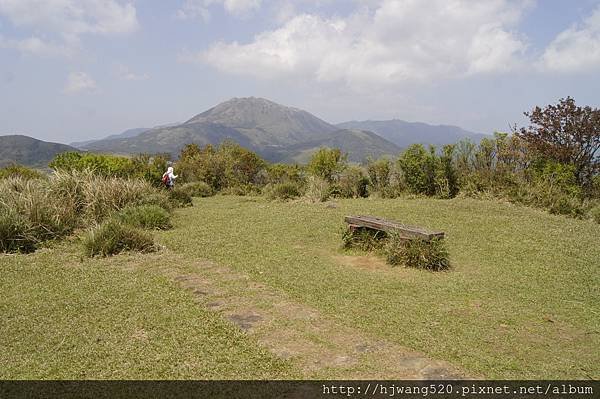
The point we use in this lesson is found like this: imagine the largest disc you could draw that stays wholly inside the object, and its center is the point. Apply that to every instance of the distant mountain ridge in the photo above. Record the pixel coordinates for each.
(28, 151)
(126, 134)
(279, 133)
(276, 132)
(404, 133)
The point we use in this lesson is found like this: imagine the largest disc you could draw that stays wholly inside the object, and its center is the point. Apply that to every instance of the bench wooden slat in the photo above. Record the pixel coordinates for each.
(408, 232)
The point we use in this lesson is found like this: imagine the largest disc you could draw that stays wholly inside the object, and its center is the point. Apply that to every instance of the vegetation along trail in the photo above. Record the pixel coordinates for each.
(521, 300)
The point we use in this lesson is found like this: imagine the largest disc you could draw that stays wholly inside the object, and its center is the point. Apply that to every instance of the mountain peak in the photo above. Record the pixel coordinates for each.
(264, 121)
(246, 109)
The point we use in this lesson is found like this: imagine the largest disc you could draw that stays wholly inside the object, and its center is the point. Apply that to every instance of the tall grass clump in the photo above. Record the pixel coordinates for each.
(149, 217)
(36, 210)
(417, 253)
(30, 214)
(104, 196)
(112, 237)
(317, 189)
(363, 239)
(14, 232)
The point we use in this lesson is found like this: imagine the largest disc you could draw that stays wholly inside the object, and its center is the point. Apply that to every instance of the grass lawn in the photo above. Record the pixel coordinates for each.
(521, 301)
(102, 319)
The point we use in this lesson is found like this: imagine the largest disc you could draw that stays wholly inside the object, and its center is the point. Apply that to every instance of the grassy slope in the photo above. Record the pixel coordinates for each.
(522, 301)
(105, 319)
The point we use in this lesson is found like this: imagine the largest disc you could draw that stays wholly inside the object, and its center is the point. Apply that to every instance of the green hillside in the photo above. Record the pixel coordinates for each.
(28, 151)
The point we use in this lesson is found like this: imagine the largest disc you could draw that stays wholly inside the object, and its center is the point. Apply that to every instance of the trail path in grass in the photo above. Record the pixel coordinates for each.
(296, 332)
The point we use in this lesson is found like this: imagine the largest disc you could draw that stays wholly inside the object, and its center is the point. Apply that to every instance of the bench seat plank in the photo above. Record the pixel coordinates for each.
(408, 232)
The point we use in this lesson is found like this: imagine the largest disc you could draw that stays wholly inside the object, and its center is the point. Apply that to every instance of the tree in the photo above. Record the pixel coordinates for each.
(567, 134)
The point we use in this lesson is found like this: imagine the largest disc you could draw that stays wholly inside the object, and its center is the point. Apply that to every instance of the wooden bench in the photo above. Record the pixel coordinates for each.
(406, 232)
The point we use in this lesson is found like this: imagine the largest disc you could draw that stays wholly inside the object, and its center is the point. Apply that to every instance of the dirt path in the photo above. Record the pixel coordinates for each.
(320, 347)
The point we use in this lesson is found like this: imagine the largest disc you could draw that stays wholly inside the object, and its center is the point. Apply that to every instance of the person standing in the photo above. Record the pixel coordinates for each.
(169, 177)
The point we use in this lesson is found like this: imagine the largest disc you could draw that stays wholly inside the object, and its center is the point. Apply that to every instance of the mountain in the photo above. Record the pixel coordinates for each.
(358, 144)
(126, 134)
(266, 123)
(28, 151)
(404, 133)
(275, 132)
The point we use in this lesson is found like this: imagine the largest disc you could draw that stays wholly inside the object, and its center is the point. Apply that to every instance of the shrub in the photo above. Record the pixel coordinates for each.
(100, 164)
(179, 197)
(353, 183)
(421, 254)
(285, 173)
(20, 171)
(327, 163)
(282, 191)
(446, 176)
(198, 189)
(419, 169)
(148, 217)
(363, 239)
(113, 237)
(229, 165)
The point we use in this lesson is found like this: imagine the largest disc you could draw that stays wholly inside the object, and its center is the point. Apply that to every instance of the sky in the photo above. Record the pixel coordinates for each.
(73, 70)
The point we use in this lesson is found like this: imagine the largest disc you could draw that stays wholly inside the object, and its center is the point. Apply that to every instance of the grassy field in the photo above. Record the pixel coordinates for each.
(64, 318)
(522, 299)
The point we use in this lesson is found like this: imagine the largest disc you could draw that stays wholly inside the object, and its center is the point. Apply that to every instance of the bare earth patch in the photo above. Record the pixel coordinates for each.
(369, 262)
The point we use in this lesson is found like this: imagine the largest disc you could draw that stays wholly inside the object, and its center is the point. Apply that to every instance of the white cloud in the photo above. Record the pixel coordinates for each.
(79, 82)
(67, 20)
(199, 9)
(124, 73)
(576, 48)
(388, 41)
(35, 46)
(193, 9)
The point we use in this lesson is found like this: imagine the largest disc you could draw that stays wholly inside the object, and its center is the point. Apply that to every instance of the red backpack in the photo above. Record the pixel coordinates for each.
(165, 179)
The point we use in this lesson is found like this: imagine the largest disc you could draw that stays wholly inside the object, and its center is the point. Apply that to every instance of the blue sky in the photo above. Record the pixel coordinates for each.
(78, 69)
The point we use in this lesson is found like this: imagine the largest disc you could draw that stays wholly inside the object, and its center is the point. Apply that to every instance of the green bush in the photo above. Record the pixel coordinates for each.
(352, 183)
(282, 191)
(197, 189)
(421, 254)
(20, 171)
(327, 163)
(179, 197)
(100, 164)
(227, 166)
(285, 173)
(418, 166)
(149, 217)
(113, 237)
